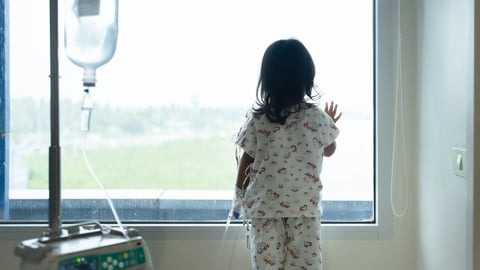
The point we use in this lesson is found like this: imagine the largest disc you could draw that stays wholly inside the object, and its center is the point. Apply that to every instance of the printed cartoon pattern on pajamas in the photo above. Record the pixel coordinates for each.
(285, 174)
(286, 243)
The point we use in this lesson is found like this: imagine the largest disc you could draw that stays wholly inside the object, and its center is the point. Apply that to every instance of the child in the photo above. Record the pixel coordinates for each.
(284, 139)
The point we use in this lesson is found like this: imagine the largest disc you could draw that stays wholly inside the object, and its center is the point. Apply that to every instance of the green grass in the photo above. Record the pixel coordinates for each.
(187, 164)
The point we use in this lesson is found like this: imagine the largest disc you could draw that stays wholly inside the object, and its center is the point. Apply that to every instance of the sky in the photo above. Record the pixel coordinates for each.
(207, 52)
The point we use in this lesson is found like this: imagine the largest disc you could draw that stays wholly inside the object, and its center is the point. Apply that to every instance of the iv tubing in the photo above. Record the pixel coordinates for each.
(94, 175)
(399, 113)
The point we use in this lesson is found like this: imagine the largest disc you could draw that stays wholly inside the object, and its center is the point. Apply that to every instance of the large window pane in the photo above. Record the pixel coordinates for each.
(173, 96)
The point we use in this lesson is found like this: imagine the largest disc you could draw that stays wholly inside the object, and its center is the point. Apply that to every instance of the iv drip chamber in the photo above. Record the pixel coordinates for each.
(91, 31)
(86, 108)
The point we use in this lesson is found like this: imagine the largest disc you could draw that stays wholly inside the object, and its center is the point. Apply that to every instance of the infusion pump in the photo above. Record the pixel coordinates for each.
(87, 246)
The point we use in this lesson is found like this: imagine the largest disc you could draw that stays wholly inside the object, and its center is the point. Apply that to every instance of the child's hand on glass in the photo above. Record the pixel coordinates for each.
(331, 110)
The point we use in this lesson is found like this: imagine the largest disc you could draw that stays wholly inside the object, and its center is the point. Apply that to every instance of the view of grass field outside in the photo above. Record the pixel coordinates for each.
(162, 148)
(168, 104)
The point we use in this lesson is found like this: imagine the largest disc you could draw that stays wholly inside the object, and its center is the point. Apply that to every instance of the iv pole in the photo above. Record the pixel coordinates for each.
(54, 183)
(35, 252)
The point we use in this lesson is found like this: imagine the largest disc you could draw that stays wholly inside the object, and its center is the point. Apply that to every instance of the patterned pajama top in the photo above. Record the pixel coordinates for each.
(285, 175)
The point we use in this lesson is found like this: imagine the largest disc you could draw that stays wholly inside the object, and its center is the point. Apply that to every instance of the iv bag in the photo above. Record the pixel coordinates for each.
(91, 30)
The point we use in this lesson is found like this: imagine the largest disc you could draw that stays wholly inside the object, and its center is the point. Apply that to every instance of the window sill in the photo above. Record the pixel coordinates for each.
(179, 216)
(157, 206)
(218, 232)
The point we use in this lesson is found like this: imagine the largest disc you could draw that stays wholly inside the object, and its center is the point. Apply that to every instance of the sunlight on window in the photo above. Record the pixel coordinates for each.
(175, 93)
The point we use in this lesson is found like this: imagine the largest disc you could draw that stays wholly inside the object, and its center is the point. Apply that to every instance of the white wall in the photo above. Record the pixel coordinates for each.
(393, 254)
(445, 81)
(474, 156)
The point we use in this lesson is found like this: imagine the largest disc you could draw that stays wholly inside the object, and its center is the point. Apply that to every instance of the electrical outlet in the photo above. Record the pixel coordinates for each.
(459, 161)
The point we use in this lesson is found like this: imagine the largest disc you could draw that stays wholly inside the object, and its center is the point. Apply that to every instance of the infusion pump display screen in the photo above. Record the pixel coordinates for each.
(129, 259)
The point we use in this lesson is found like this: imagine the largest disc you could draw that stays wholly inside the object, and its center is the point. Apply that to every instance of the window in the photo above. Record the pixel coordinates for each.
(169, 102)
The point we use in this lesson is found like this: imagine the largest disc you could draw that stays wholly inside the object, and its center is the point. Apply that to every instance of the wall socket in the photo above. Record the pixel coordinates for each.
(459, 161)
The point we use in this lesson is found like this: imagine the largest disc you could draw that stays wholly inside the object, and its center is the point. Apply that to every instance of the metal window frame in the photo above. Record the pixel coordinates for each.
(4, 110)
(382, 228)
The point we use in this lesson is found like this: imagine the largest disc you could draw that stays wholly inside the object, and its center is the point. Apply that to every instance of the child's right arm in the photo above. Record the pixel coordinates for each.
(244, 163)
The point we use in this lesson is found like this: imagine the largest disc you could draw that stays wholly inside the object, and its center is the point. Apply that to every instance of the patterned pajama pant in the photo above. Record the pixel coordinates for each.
(291, 243)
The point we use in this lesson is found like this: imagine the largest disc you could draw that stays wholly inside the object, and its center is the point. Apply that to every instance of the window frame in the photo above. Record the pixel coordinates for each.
(4, 109)
(381, 228)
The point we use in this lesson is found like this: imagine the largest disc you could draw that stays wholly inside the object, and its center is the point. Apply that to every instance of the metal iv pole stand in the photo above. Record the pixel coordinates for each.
(54, 182)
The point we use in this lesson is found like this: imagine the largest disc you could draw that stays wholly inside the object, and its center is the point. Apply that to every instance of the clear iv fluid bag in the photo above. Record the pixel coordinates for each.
(91, 30)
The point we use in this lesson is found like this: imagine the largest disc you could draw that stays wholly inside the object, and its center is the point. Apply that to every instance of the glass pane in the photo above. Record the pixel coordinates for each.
(175, 93)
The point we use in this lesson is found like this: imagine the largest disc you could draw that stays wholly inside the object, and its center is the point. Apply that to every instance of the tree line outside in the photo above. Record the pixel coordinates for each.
(169, 147)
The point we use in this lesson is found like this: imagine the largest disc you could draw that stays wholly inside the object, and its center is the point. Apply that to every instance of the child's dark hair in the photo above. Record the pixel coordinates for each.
(286, 77)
